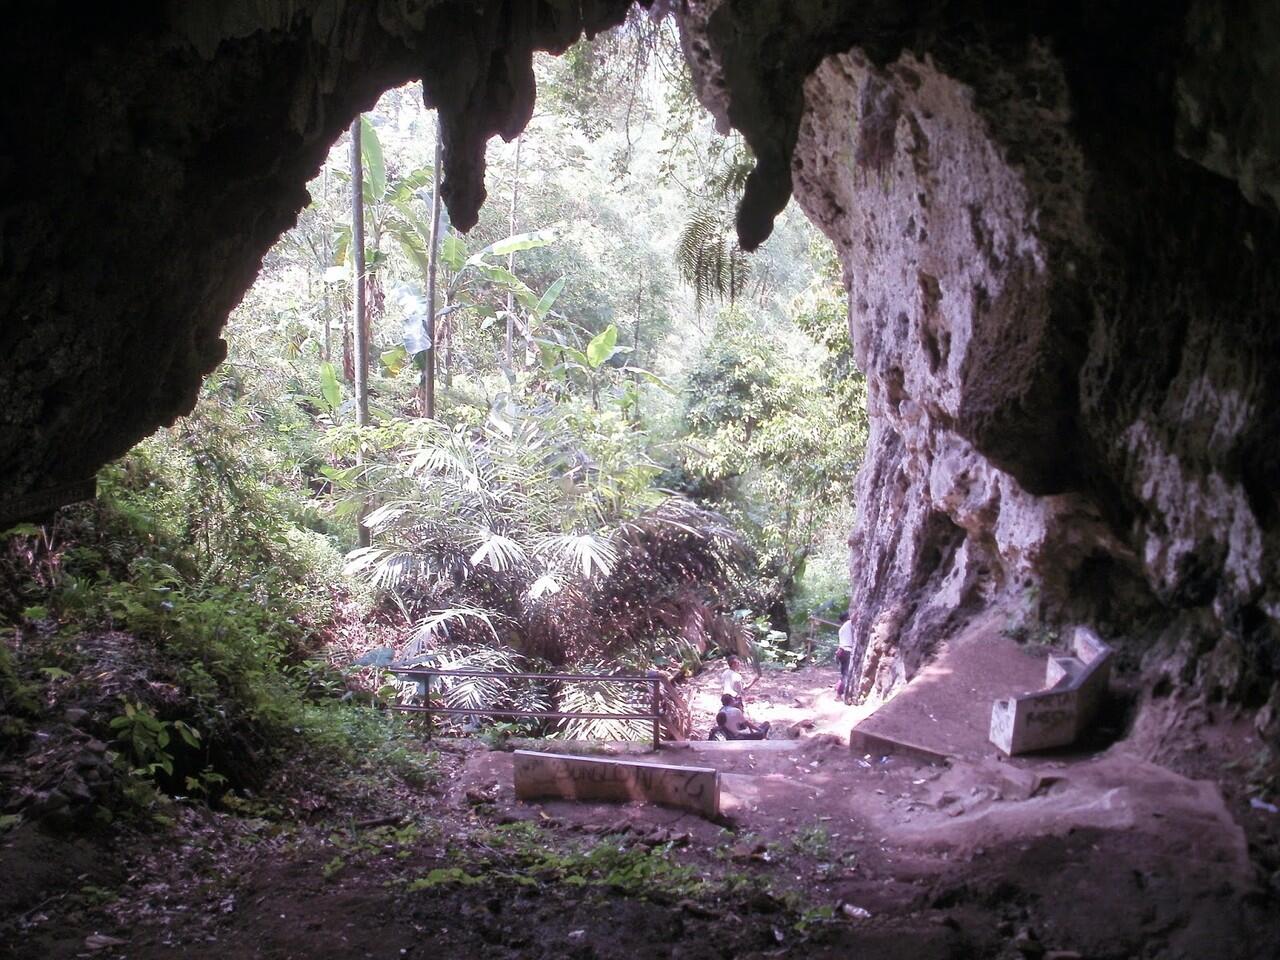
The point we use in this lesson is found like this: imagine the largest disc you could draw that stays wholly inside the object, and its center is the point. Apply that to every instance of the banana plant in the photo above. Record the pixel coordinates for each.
(470, 278)
(593, 365)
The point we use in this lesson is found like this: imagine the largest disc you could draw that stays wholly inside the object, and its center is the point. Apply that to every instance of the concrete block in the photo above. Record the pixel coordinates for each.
(1034, 721)
(552, 775)
(1061, 670)
(1055, 717)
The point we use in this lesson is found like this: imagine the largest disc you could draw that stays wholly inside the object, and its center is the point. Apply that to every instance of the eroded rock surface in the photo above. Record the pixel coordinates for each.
(1058, 231)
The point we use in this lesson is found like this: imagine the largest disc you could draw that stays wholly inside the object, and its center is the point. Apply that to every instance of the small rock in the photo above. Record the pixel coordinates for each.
(76, 790)
(576, 935)
(51, 801)
(76, 716)
(100, 941)
(1027, 944)
(747, 851)
(97, 746)
(696, 909)
(855, 913)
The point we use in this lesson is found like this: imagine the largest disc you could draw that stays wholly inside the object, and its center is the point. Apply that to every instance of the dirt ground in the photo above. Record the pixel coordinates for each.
(819, 853)
(795, 702)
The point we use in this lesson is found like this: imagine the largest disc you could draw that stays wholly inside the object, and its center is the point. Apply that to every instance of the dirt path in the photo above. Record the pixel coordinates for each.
(821, 853)
(799, 702)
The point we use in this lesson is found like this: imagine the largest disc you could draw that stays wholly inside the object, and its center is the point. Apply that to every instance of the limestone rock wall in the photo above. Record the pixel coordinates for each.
(1058, 221)
(1059, 235)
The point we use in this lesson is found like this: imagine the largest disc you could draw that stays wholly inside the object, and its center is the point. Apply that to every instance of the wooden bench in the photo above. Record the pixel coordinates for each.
(554, 775)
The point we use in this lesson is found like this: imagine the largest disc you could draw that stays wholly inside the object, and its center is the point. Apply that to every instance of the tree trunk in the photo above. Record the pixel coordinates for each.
(348, 362)
(635, 347)
(433, 262)
(358, 323)
(511, 261)
(326, 257)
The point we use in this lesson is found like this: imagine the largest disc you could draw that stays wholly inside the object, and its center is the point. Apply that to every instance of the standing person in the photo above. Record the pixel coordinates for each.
(844, 654)
(731, 684)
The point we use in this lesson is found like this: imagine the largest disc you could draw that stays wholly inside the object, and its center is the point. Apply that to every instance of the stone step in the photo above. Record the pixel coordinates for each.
(1062, 669)
(945, 711)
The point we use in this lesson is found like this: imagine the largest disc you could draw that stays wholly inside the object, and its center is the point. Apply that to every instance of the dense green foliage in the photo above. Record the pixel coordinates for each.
(189, 610)
(661, 467)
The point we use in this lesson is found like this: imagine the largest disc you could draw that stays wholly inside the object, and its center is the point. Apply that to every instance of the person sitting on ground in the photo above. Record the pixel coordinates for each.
(734, 725)
(732, 685)
(844, 653)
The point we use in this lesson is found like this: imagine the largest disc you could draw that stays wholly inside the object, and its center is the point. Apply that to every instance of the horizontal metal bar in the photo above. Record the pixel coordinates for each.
(580, 677)
(540, 714)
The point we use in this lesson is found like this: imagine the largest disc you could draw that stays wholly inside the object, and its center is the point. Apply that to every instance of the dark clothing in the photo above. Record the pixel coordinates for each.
(734, 726)
(843, 659)
(761, 733)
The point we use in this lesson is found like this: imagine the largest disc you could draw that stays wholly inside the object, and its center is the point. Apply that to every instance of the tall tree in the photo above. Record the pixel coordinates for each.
(433, 262)
(511, 259)
(361, 328)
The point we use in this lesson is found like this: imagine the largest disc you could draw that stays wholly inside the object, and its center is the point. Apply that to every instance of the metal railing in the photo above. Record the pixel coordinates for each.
(652, 678)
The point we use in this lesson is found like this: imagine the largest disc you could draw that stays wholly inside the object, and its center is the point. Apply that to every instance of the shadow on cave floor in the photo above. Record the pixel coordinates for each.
(820, 853)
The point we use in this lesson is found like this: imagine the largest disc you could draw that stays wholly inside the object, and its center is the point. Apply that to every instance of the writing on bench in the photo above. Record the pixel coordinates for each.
(554, 775)
(1076, 685)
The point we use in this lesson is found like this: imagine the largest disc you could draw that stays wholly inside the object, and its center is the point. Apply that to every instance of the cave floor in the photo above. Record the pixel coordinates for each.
(821, 852)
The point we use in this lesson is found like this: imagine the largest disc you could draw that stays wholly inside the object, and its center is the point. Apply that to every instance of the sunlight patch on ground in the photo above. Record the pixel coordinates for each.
(785, 698)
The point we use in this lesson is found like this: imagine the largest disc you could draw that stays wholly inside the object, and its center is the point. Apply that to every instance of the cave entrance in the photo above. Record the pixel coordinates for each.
(598, 333)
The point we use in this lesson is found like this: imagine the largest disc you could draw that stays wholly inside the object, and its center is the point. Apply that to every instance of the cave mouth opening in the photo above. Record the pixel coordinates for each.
(1067, 400)
(607, 322)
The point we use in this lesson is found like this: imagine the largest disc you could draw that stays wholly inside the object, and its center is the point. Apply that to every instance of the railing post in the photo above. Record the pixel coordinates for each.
(654, 680)
(426, 702)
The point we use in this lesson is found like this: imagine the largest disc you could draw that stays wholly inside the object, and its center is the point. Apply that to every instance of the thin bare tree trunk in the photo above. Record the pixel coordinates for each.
(446, 341)
(324, 267)
(635, 347)
(433, 262)
(511, 260)
(361, 331)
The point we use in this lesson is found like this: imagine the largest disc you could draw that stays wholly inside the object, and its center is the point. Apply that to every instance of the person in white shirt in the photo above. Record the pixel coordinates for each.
(731, 685)
(733, 723)
(844, 654)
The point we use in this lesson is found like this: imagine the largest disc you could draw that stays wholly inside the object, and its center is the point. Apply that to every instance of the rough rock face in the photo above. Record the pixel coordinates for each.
(1067, 321)
(150, 154)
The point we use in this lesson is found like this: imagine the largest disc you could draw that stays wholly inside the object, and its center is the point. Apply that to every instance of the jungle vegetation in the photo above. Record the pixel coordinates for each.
(641, 445)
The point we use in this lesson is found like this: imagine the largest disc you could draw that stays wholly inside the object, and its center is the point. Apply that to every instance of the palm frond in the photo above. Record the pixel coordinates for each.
(587, 697)
(435, 626)
(589, 554)
(709, 259)
(486, 692)
(498, 552)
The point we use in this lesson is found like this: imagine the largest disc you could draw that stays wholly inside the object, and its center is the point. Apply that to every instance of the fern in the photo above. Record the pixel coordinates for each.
(709, 259)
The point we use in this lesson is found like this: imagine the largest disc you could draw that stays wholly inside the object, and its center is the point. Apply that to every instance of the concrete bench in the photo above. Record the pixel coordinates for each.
(1075, 686)
(541, 776)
